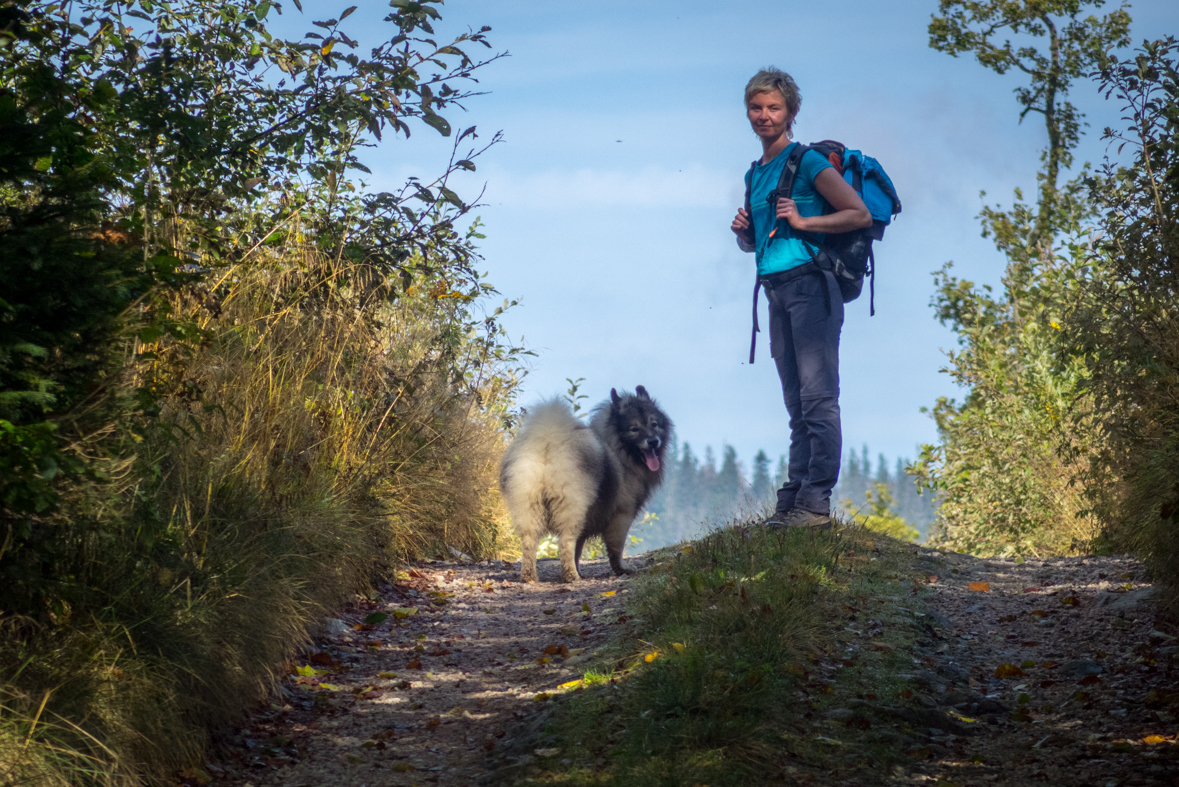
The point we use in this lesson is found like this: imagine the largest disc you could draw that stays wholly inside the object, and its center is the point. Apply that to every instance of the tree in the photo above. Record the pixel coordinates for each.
(763, 487)
(998, 469)
(1125, 319)
(1074, 46)
(143, 144)
(728, 484)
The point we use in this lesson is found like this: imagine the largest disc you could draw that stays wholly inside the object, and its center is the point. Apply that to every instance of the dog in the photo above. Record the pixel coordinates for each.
(577, 480)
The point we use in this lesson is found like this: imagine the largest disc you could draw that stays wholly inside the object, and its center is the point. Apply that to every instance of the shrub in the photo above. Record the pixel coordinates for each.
(1125, 321)
(199, 459)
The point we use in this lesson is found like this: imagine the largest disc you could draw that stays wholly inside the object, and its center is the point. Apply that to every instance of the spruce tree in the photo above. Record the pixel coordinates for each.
(763, 488)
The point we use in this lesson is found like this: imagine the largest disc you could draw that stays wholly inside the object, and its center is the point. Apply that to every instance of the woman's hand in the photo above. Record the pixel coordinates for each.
(741, 223)
(788, 209)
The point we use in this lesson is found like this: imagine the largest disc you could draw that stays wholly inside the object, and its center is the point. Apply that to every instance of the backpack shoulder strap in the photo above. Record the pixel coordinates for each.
(748, 200)
(789, 172)
(786, 188)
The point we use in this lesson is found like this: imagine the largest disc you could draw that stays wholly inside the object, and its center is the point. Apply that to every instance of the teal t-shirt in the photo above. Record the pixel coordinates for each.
(778, 253)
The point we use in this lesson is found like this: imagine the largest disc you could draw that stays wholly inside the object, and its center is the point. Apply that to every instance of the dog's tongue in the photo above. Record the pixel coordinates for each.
(652, 460)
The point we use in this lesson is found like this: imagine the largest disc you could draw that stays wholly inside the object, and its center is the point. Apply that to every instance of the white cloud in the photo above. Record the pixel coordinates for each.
(567, 190)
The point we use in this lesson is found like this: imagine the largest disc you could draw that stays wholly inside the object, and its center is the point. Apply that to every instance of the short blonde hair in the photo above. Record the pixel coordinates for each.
(770, 79)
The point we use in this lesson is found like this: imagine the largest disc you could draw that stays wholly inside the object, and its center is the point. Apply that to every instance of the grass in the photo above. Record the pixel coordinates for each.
(740, 644)
(348, 431)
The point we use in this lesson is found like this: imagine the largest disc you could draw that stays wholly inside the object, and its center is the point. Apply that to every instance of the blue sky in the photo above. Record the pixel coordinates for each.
(625, 142)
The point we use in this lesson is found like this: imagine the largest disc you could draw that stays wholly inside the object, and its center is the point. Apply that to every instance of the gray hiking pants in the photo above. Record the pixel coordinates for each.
(806, 316)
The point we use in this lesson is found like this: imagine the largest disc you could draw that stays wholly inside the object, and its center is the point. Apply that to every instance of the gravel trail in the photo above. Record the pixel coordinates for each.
(1055, 671)
(427, 698)
(1063, 665)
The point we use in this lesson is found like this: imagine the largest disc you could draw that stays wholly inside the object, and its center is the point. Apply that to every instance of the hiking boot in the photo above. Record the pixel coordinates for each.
(798, 518)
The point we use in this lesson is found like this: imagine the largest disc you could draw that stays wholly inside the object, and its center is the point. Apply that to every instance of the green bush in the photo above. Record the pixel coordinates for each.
(234, 386)
(1125, 322)
(1011, 450)
(880, 516)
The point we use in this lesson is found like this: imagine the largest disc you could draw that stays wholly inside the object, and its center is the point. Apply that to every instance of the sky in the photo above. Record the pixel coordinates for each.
(607, 206)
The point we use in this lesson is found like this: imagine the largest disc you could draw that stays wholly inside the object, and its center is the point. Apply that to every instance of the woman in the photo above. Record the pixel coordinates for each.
(806, 310)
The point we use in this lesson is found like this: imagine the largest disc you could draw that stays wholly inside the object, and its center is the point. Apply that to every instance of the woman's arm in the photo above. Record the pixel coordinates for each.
(850, 211)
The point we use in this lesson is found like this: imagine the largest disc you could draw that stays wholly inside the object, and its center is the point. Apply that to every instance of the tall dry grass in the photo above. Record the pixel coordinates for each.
(325, 428)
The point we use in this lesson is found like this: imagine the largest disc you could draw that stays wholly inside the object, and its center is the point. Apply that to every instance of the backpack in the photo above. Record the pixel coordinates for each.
(847, 255)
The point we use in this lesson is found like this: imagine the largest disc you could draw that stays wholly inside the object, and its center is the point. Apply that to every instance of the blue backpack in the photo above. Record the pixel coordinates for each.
(848, 255)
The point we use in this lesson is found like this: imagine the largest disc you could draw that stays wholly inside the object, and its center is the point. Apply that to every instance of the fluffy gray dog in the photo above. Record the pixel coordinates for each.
(577, 480)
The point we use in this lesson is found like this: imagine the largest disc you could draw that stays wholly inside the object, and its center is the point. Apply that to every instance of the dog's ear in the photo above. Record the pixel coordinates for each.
(615, 399)
(641, 392)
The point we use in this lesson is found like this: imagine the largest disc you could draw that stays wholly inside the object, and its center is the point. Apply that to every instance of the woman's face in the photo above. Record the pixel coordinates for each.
(768, 115)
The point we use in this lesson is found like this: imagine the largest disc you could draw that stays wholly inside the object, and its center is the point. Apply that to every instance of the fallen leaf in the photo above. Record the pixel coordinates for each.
(982, 587)
(1046, 683)
(608, 593)
(1153, 739)
(570, 685)
(321, 658)
(330, 687)
(679, 647)
(882, 647)
(651, 656)
(1027, 664)
(376, 618)
(1009, 671)
(546, 752)
(415, 664)
(402, 614)
(1031, 590)
(549, 611)
(432, 723)
(686, 550)
(1088, 680)
(386, 674)
(1070, 601)
(541, 697)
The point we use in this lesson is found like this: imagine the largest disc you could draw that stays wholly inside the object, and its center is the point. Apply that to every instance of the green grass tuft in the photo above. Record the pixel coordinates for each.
(738, 647)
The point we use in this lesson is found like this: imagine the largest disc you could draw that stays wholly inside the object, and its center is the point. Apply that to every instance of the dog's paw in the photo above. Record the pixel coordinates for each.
(624, 569)
(569, 576)
(528, 577)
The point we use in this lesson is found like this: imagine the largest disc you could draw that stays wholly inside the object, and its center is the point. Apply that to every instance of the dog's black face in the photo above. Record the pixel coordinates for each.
(642, 428)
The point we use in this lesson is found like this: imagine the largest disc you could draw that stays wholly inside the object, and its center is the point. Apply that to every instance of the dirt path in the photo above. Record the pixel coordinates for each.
(1063, 667)
(429, 697)
(1053, 672)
